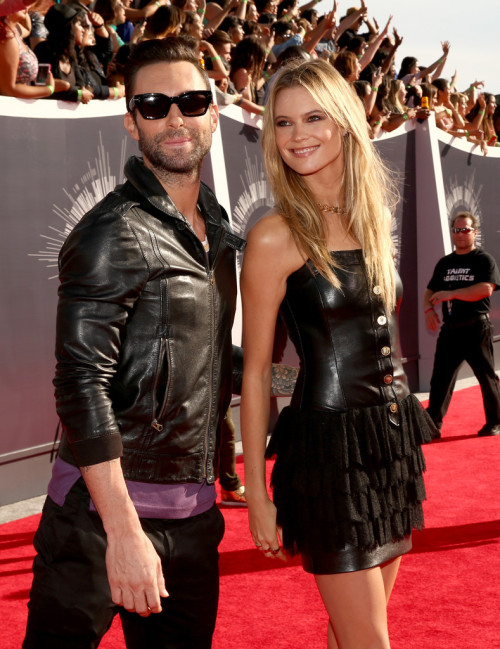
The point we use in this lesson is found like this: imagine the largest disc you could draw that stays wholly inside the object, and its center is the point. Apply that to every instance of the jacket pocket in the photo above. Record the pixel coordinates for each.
(162, 383)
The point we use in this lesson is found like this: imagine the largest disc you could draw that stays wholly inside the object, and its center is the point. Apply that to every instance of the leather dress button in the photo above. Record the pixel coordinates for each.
(377, 290)
(393, 407)
(381, 320)
(385, 351)
(388, 379)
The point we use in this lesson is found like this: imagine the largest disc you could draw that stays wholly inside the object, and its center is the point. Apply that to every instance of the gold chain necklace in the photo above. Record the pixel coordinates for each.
(336, 209)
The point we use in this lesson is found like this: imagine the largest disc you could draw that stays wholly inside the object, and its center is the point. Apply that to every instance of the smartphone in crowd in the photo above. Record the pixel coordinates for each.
(43, 74)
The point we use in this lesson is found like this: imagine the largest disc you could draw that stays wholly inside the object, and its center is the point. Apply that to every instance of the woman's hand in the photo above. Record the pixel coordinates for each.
(87, 95)
(265, 533)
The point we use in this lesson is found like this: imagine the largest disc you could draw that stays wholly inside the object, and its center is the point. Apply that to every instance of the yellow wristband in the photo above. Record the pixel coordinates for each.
(51, 88)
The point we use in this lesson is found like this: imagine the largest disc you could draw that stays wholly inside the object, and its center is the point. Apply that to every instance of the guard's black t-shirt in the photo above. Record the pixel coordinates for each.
(460, 271)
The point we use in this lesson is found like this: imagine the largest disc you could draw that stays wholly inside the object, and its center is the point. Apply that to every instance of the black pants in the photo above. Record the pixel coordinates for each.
(472, 343)
(228, 478)
(70, 603)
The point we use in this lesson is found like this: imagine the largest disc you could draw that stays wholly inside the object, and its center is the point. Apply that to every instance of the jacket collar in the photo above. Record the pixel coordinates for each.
(147, 184)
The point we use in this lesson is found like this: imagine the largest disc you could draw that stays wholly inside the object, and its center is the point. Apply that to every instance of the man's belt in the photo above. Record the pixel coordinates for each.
(483, 317)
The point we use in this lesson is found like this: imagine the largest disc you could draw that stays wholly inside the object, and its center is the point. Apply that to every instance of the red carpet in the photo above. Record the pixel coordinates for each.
(447, 593)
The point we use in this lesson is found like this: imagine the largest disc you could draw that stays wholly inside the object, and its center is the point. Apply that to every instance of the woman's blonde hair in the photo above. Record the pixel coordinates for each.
(369, 194)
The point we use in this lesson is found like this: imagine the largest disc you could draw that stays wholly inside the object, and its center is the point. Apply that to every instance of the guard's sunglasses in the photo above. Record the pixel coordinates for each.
(155, 105)
(464, 230)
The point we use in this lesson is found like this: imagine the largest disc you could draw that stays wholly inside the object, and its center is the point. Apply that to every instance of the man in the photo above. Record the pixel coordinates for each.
(463, 283)
(143, 381)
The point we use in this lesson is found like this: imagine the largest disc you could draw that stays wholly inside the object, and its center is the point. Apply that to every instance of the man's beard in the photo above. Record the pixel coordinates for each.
(175, 162)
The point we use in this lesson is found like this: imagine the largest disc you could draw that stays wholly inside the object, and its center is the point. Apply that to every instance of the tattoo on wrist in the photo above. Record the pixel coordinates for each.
(283, 380)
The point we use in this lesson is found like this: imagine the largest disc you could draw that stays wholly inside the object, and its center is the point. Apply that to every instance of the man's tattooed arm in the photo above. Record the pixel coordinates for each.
(283, 380)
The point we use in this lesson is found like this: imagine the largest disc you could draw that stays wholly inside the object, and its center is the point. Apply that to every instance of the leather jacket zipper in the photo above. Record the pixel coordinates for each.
(163, 359)
(212, 351)
(212, 355)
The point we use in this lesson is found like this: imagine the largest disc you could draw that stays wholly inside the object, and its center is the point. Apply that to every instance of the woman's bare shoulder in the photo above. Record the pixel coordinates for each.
(272, 237)
(271, 231)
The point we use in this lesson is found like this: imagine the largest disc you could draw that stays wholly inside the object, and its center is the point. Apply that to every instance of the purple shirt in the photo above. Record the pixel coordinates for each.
(167, 501)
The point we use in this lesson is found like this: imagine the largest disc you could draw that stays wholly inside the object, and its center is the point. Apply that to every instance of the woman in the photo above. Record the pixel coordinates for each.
(411, 73)
(397, 96)
(347, 63)
(18, 63)
(167, 21)
(66, 32)
(193, 28)
(447, 117)
(91, 55)
(113, 14)
(383, 116)
(348, 486)
(247, 67)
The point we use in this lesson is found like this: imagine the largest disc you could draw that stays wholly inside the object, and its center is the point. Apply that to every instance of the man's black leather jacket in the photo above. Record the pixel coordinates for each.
(144, 334)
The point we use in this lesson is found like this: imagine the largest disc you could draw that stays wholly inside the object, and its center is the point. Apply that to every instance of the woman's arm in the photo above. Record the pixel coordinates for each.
(241, 80)
(270, 256)
(386, 65)
(437, 65)
(214, 22)
(9, 62)
(374, 45)
(219, 70)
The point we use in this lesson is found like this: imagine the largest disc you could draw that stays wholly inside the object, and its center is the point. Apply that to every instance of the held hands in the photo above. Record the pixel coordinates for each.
(134, 573)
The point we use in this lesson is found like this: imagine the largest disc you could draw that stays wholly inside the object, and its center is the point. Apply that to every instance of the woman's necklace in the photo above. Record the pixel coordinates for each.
(336, 209)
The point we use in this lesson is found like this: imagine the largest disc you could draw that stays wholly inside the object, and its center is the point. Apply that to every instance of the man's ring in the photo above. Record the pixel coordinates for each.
(258, 545)
(275, 550)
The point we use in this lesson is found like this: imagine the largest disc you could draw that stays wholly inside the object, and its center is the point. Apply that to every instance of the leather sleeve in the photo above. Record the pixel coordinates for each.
(102, 273)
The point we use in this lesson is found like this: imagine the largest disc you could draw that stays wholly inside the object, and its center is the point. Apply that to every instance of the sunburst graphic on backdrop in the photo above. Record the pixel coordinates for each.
(93, 186)
(396, 241)
(255, 199)
(464, 197)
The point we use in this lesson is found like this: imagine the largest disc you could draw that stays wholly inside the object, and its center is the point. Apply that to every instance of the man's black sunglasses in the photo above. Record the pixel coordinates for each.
(155, 105)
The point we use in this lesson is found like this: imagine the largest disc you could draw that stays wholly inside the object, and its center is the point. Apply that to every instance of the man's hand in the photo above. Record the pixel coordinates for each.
(441, 296)
(134, 573)
(132, 563)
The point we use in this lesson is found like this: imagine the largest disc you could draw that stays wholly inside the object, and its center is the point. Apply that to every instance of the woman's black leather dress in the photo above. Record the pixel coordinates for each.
(347, 480)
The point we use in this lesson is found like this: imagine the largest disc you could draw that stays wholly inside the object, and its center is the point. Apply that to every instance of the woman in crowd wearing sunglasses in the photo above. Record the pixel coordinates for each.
(66, 34)
(347, 480)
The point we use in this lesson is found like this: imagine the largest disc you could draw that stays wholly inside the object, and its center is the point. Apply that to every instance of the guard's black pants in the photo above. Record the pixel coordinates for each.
(70, 603)
(472, 343)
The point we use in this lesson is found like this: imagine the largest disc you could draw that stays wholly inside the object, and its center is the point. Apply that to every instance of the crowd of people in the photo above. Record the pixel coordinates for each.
(76, 52)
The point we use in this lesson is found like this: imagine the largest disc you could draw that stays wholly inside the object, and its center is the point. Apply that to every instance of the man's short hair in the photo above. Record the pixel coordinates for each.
(174, 49)
(466, 215)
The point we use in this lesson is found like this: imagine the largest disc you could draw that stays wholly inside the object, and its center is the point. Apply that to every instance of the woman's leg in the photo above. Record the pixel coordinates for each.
(357, 606)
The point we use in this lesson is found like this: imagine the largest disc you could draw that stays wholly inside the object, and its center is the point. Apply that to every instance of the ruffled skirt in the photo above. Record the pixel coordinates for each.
(349, 482)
